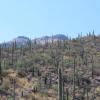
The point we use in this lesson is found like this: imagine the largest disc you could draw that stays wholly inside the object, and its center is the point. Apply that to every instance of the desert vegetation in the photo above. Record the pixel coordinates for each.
(67, 69)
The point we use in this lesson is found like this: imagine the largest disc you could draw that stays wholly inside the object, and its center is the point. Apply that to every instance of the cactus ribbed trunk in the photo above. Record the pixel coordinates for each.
(87, 95)
(33, 72)
(59, 84)
(92, 67)
(62, 80)
(84, 92)
(62, 89)
(67, 94)
(12, 53)
(74, 81)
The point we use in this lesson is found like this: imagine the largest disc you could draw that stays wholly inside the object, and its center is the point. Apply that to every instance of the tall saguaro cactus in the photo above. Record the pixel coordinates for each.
(92, 67)
(12, 53)
(67, 94)
(60, 80)
(59, 84)
(29, 43)
(62, 69)
(74, 80)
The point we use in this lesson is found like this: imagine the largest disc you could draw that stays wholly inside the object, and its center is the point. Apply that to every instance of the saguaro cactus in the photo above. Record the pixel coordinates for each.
(13, 53)
(59, 84)
(29, 43)
(74, 81)
(45, 80)
(87, 95)
(92, 67)
(67, 94)
(60, 80)
(33, 71)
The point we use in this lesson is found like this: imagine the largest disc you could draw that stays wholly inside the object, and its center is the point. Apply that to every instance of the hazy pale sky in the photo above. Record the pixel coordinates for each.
(36, 18)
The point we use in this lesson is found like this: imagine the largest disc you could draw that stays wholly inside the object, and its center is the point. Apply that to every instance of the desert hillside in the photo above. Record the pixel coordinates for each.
(50, 69)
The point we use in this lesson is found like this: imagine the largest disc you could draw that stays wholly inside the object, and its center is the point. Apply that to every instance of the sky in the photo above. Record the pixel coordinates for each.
(36, 18)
